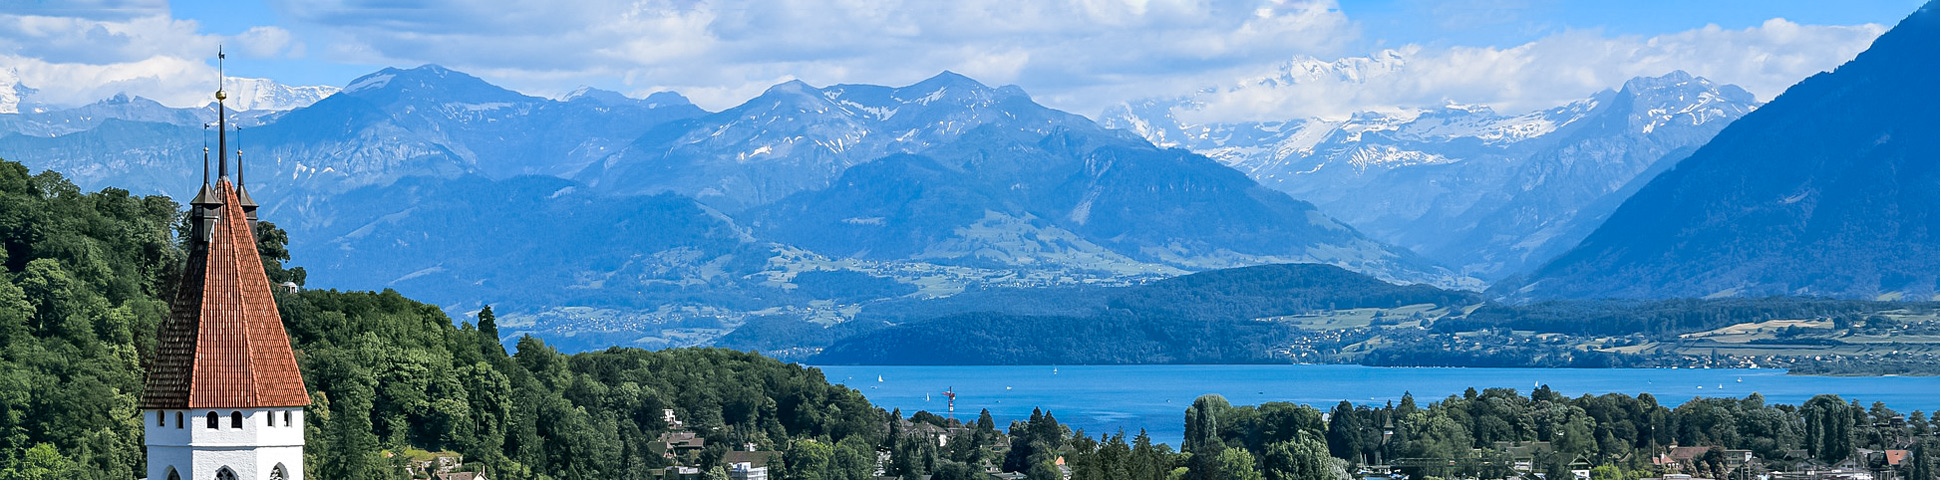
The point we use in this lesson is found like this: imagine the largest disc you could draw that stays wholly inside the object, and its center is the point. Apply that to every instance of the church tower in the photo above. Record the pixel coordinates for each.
(224, 398)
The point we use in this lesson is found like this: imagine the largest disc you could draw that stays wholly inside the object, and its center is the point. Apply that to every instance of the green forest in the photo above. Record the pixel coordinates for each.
(1498, 433)
(79, 305)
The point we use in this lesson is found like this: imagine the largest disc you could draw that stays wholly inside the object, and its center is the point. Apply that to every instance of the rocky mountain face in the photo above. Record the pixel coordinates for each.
(1831, 189)
(434, 121)
(393, 124)
(1488, 193)
(1082, 199)
(796, 137)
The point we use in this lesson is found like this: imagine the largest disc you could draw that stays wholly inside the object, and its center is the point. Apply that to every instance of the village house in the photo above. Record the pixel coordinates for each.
(746, 471)
(675, 444)
(678, 472)
(435, 463)
(1832, 474)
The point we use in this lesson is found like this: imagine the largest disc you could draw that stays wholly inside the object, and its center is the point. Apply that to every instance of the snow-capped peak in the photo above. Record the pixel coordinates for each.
(1348, 69)
(1682, 98)
(264, 94)
(12, 93)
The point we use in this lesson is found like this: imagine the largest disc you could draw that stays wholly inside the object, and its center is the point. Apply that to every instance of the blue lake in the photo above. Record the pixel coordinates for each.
(1104, 399)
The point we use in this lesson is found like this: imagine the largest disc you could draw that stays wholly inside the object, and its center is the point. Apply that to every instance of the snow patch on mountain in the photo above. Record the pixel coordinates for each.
(370, 82)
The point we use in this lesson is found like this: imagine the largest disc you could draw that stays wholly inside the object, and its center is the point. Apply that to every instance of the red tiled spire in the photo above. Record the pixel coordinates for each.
(223, 344)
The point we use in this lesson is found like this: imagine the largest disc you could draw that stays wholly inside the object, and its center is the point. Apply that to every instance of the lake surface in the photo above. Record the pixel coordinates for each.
(1104, 399)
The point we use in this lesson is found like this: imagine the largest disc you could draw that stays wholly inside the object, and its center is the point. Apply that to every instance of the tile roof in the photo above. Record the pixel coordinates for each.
(223, 344)
(1686, 454)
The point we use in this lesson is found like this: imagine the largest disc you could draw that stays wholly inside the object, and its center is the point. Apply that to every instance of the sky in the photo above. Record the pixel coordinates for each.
(1238, 60)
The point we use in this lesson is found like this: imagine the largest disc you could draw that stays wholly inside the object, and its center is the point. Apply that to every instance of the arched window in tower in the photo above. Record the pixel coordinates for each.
(235, 419)
(173, 475)
(279, 473)
(271, 416)
(214, 421)
(161, 418)
(178, 419)
(286, 418)
(225, 474)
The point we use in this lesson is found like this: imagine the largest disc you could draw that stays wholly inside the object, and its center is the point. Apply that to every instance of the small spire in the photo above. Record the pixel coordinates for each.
(205, 155)
(239, 160)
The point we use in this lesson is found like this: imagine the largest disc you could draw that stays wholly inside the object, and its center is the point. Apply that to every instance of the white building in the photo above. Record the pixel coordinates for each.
(747, 471)
(224, 399)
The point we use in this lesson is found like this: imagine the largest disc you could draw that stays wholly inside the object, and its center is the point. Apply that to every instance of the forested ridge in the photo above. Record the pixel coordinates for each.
(1309, 313)
(1206, 317)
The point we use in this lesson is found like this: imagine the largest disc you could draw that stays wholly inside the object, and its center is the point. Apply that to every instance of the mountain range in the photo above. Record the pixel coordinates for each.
(1488, 193)
(246, 94)
(650, 221)
(1829, 190)
(597, 218)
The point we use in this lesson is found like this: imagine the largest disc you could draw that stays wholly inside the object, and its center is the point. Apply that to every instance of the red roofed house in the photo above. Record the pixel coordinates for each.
(1897, 457)
(224, 398)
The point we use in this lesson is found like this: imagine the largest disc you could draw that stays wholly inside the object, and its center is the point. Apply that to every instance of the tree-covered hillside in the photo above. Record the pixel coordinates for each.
(386, 373)
(79, 306)
(1307, 313)
(1210, 317)
(80, 278)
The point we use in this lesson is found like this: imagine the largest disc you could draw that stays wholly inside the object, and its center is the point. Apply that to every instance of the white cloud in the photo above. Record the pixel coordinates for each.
(1764, 60)
(85, 51)
(1077, 53)
(269, 42)
(166, 79)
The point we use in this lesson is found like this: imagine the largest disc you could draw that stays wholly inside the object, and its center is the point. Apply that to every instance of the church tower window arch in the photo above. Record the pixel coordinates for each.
(235, 419)
(225, 474)
(215, 422)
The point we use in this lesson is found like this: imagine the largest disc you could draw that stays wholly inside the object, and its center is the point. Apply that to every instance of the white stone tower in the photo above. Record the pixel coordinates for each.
(224, 398)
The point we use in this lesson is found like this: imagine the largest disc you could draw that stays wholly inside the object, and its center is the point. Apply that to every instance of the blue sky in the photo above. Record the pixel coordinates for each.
(1080, 55)
(1510, 22)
